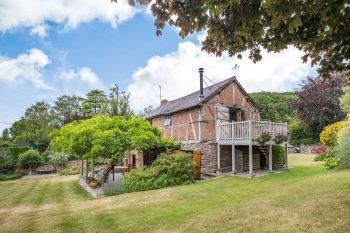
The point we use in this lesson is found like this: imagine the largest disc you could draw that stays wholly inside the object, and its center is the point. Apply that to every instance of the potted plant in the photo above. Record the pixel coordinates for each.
(279, 138)
(94, 184)
(264, 137)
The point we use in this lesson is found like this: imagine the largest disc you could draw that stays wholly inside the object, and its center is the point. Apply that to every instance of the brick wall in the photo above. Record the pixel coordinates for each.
(186, 124)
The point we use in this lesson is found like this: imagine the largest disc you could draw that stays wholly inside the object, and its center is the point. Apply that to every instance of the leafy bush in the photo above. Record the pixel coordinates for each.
(343, 148)
(7, 161)
(11, 176)
(319, 149)
(278, 156)
(325, 155)
(167, 170)
(30, 158)
(70, 171)
(58, 159)
(331, 162)
(328, 136)
(168, 145)
(301, 134)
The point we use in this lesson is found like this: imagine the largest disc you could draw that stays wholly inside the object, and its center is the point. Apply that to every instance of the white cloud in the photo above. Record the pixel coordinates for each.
(39, 30)
(71, 13)
(177, 73)
(25, 67)
(79, 77)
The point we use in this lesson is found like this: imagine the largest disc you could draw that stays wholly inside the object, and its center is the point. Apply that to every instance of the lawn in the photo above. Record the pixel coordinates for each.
(308, 198)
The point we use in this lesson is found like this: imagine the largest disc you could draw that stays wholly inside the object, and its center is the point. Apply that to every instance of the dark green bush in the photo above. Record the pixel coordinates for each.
(168, 145)
(167, 170)
(7, 161)
(302, 135)
(11, 176)
(278, 156)
(70, 171)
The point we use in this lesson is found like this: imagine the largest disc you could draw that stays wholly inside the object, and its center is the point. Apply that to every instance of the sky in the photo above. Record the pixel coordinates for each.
(56, 47)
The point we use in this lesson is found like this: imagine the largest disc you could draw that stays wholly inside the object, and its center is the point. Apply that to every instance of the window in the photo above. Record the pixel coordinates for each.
(233, 115)
(242, 115)
(167, 120)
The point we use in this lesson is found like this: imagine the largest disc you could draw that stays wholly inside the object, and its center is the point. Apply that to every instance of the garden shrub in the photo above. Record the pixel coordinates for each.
(278, 156)
(11, 176)
(328, 136)
(70, 171)
(168, 145)
(167, 170)
(343, 147)
(319, 149)
(7, 161)
(301, 134)
(30, 159)
(331, 162)
(330, 153)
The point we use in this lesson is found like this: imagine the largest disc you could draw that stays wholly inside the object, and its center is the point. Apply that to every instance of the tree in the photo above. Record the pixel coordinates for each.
(30, 159)
(119, 102)
(103, 137)
(320, 28)
(58, 159)
(345, 100)
(276, 106)
(5, 135)
(34, 127)
(95, 103)
(67, 109)
(145, 111)
(318, 102)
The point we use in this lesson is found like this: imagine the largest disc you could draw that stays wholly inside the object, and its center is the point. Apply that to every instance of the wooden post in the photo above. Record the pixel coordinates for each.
(218, 157)
(250, 149)
(286, 125)
(270, 157)
(82, 167)
(251, 159)
(233, 159)
(286, 146)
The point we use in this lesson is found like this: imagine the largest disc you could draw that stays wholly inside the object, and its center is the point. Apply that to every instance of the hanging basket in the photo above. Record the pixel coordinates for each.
(280, 138)
(264, 137)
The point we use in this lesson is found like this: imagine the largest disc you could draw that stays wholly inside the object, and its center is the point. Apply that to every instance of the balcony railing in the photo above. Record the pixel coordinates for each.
(247, 131)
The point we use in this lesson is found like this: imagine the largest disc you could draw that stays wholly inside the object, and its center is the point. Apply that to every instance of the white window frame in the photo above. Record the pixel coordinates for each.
(168, 120)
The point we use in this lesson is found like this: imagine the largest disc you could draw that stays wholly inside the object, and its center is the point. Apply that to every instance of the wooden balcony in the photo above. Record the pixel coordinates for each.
(247, 132)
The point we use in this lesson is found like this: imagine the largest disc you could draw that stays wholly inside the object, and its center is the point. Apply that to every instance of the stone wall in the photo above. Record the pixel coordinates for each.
(208, 155)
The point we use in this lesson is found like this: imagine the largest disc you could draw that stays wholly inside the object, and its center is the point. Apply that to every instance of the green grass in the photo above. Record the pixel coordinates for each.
(306, 199)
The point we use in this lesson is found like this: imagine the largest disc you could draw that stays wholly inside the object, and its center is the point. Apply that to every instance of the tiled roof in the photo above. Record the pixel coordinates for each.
(188, 101)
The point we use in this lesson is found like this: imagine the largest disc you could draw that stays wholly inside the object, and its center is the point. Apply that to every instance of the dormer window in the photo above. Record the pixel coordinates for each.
(168, 120)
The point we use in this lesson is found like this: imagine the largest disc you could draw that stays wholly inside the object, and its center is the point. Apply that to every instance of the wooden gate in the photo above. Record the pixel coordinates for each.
(197, 162)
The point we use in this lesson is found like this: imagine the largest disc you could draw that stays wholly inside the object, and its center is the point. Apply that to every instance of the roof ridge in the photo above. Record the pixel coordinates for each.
(215, 84)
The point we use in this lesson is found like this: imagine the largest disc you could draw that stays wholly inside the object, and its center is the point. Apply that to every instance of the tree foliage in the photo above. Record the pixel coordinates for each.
(276, 106)
(320, 28)
(30, 159)
(67, 109)
(34, 127)
(95, 102)
(119, 102)
(318, 102)
(5, 135)
(345, 100)
(105, 137)
(58, 159)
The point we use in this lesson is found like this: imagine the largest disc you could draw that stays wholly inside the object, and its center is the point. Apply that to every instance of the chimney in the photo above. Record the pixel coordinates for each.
(163, 101)
(201, 91)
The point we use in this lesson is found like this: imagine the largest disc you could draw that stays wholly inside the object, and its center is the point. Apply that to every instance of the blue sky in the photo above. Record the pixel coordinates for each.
(51, 49)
